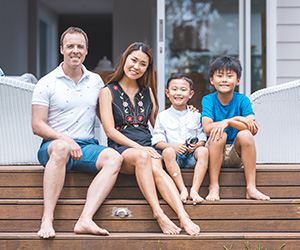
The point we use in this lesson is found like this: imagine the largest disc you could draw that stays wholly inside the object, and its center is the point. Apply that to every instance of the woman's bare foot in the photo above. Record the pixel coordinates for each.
(87, 226)
(184, 195)
(46, 231)
(189, 226)
(166, 225)
(253, 193)
(195, 197)
(213, 194)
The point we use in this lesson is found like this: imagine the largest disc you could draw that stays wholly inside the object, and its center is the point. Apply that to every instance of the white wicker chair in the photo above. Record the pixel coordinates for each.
(18, 145)
(277, 110)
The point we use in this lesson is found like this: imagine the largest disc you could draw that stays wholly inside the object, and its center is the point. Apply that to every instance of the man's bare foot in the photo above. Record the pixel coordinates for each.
(189, 226)
(195, 197)
(213, 194)
(87, 226)
(253, 193)
(184, 195)
(166, 225)
(46, 231)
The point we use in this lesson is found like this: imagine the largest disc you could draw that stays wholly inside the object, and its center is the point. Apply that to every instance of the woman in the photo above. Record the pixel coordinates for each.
(126, 105)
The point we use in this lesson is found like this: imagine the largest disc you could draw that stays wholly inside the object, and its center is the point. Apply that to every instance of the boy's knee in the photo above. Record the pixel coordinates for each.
(245, 137)
(218, 143)
(202, 152)
(169, 153)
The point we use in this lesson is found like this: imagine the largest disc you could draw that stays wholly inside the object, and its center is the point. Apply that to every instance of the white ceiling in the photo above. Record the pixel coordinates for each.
(79, 6)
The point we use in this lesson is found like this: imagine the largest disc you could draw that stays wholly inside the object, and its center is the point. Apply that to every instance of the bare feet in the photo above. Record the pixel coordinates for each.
(253, 193)
(184, 195)
(46, 231)
(166, 225)
(195, 197)
(190, 227)
(213, 194)
(87, 226)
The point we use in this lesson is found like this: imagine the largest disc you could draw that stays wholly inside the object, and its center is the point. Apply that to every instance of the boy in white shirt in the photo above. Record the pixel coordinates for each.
(178, 132)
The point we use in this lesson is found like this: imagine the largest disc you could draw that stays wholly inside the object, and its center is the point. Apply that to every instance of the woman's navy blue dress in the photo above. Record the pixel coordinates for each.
(131, 120)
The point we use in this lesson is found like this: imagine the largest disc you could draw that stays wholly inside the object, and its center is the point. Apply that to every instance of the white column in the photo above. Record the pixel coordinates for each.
(160, 29)
(271, 43)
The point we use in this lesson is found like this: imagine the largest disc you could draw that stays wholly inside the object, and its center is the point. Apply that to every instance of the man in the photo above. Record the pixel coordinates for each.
(63, 113)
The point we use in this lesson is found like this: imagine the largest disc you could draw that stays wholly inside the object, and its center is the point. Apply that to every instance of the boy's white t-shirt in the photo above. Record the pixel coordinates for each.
(173, 126)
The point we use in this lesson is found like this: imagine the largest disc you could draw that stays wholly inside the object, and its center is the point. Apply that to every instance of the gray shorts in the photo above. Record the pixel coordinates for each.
(231, 159)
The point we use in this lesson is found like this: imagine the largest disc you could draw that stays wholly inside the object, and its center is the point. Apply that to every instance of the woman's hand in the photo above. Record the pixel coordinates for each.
(153, 153)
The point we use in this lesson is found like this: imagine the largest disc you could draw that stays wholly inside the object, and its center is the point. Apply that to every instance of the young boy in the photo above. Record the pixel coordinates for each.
(178, 132)
(229, 121)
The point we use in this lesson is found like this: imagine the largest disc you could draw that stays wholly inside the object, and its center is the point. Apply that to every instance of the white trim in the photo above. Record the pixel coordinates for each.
(160, 31)
(241, 43)
(247, 65)
(271, 10)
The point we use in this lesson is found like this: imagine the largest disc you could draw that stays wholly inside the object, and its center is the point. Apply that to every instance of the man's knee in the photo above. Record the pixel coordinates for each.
(109, 158)
(59, 150)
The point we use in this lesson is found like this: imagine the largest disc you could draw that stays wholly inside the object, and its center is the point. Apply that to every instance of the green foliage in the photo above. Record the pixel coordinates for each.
(259, 247)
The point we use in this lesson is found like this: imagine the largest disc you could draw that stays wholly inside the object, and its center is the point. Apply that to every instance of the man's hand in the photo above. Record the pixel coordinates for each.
(76, 153)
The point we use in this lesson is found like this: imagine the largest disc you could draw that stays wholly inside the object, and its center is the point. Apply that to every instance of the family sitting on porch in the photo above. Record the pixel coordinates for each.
(66, 102)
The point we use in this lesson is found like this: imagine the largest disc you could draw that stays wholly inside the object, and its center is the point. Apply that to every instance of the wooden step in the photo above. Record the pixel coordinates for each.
(157, 241)
(222, 216)
(26, 182)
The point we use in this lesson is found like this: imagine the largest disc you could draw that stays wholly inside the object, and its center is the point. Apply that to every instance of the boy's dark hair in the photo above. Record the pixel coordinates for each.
(225, 63)
(181, 76)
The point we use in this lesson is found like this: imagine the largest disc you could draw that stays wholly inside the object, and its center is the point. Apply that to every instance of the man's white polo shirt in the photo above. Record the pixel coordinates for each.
(72, 108)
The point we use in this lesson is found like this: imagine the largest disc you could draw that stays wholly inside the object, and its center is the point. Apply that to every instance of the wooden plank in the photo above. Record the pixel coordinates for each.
(150, 226)
(205, 211)
(150, 241)
(287, 192)
(228, 177)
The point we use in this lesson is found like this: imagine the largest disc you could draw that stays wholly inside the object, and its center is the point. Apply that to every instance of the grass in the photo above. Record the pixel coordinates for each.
(259, 247)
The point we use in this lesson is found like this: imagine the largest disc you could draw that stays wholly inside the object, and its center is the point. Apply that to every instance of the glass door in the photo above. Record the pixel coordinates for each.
(191, 33)
(197, 31)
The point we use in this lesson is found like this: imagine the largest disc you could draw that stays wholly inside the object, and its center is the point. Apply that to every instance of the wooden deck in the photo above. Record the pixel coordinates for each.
(233, 219)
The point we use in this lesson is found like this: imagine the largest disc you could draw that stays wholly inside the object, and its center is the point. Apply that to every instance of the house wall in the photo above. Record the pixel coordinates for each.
(132, 22)
(13, 38)
(288, 40)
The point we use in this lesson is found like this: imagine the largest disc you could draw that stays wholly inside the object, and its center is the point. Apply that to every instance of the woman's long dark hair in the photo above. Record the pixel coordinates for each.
(149, 77)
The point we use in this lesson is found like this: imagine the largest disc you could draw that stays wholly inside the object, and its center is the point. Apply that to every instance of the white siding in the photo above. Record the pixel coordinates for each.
(288, 40)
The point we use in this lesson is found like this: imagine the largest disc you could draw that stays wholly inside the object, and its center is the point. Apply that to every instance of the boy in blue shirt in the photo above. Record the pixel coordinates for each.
(178, 132)
(228, 119)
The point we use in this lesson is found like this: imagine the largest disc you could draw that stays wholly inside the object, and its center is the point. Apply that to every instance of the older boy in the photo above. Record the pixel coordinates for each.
(178, 132)
(229, 121)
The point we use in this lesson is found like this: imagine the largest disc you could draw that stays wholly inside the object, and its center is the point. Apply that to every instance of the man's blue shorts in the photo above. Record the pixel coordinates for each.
(186, 161)
(90, 152)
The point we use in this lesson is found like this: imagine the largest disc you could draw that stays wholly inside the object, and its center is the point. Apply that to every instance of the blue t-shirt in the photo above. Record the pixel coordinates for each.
(239, 105)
